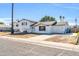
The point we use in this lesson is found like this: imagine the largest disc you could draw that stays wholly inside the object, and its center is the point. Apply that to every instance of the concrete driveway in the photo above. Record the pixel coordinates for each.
(14, 48)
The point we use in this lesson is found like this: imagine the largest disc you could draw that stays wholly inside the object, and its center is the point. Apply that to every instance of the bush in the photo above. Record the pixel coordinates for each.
(75, 30)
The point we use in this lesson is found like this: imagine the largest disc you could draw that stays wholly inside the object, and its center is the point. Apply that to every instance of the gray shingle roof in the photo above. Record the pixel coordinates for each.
(27, 20)
(50, 23)
(61, 23)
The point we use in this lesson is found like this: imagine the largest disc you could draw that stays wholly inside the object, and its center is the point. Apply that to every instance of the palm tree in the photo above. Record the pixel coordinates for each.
(63, 17)
(12, 30)
(75, 24)
(60, 17)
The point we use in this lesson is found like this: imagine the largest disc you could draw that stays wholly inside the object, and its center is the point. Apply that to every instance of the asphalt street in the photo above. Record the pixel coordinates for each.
(14, 48)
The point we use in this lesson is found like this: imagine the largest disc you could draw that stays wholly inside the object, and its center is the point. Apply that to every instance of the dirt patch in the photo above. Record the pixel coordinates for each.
(63, 39)
(17, 35)
(4, 33)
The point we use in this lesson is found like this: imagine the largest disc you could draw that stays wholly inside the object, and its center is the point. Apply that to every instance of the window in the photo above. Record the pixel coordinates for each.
(26, 23)
(22, 23)
(42, 28)
(16, 30)
(16, 25)
(18, 21)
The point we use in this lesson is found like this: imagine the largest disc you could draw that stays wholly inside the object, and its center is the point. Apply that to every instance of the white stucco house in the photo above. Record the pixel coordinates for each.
(23, 25)
(48, 27)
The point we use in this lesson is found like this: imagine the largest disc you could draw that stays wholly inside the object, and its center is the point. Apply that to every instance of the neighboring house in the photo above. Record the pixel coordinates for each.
(4, 28)
(23, 25)
(41, 27)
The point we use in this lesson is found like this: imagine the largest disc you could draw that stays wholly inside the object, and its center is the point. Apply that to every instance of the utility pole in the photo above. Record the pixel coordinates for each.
(12, 11)
(75, 24)
(76, 31)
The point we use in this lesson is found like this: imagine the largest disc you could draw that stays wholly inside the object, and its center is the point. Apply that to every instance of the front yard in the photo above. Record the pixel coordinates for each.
(17, 35)
(54, 38)
(63, 39)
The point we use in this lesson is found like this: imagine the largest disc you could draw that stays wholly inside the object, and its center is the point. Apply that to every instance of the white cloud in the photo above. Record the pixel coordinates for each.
(5, 20)
(69, 7)
(71, 23)
(66, 6)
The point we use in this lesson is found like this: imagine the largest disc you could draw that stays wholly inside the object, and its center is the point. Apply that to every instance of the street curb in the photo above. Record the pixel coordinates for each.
(65, 46)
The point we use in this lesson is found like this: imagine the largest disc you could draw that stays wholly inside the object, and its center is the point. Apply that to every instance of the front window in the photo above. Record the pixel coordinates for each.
(42, 28)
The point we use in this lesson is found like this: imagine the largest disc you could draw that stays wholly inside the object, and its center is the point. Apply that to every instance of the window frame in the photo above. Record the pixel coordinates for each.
(42, 28)
(22, 23)
(17, 25)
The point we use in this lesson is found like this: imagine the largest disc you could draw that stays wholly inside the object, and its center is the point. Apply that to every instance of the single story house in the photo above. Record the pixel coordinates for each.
(51, 27)
(48, 27)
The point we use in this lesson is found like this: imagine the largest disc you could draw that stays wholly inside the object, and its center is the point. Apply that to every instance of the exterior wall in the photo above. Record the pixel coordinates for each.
(23, 28)
(29, 29)
(51, 29)
(59, 29)
(48, 30)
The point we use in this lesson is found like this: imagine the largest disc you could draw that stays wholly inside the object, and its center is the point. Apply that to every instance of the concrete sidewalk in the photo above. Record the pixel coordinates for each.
(40, 37)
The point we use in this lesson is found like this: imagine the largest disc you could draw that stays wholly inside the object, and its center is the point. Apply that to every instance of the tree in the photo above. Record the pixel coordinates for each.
(63, 17)
(47, 18)
(60, 17)
(1, 23)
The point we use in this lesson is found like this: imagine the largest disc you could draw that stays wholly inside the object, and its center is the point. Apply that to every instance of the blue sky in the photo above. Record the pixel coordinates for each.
(34, 11)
